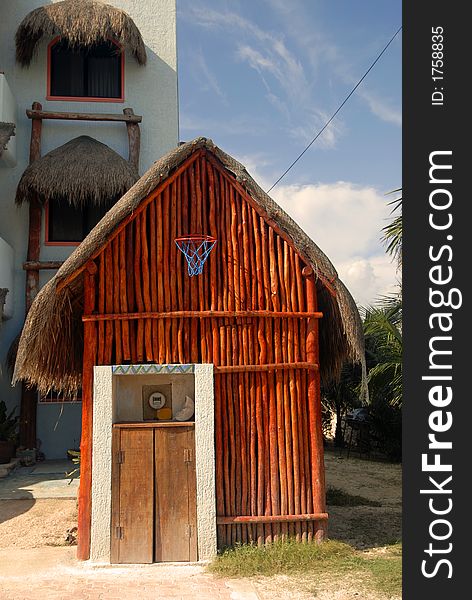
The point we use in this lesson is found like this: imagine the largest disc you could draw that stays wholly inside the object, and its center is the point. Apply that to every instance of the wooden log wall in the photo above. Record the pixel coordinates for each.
(267, 420)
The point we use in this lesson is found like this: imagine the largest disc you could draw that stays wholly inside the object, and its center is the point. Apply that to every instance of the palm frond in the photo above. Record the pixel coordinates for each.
(393, 232)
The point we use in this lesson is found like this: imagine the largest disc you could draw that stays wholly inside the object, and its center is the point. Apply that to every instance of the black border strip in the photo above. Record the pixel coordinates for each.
(436, 124)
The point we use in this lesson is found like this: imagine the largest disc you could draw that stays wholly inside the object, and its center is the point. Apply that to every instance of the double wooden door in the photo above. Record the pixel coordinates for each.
(153, 493)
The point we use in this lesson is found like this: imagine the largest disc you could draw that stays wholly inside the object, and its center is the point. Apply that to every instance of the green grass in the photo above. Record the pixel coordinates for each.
(380, 572)
(337, 497)
(386, 571)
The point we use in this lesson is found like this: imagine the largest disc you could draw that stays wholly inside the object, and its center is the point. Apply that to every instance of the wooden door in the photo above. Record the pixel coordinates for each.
(175, 490)
(132, 496)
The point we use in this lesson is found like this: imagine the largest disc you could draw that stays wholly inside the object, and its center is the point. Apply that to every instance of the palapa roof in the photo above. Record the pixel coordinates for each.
(6, 131)
(51, 346)
(81, 23)
(82, 171)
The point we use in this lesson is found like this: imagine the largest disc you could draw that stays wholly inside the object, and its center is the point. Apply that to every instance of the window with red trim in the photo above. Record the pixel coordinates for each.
(92, 73)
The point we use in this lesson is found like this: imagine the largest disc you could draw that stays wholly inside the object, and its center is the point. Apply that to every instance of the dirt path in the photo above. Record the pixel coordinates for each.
(55, 574)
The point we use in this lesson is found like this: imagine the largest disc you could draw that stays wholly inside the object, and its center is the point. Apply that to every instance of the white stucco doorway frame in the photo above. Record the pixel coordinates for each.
(105, 414)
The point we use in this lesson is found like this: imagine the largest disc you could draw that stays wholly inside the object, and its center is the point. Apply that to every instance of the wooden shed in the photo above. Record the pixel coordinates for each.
(268, 314)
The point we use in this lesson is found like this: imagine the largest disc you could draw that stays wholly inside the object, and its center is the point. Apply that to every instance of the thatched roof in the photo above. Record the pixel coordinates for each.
(50, 348)
(82, 171)
(6, 131)
(81, 23)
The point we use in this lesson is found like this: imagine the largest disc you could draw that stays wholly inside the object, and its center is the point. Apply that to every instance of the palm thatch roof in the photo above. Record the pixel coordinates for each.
(6, 131)
(80, 23)
(82, 171)
(50, 347)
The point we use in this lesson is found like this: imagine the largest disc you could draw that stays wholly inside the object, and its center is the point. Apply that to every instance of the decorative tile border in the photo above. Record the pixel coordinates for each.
(153, 369)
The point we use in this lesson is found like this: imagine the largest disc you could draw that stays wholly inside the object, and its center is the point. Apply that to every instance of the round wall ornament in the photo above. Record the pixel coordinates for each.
(157, 400)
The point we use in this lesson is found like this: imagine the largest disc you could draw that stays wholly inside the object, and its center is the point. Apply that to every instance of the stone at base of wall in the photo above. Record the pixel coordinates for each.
(7, 468)
(27, 457)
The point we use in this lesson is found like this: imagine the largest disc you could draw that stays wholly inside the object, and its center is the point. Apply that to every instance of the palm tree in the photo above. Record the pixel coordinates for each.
(383, 322)
(393, 232)
(384, 345)
(341, 396)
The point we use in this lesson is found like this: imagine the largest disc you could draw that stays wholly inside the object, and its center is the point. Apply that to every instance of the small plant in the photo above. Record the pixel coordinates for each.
(8, 433)
(8, 424)
(74, 455)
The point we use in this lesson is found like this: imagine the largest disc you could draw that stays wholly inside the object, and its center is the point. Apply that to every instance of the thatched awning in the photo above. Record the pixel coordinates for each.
(6, 131)
(51, 344)
(81, 23)
(83, 171)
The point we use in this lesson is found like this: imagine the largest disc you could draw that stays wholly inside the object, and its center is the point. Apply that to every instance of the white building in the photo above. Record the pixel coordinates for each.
(74, 82)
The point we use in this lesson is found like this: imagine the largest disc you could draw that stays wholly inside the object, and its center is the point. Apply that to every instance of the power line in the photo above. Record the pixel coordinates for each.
(338, 109)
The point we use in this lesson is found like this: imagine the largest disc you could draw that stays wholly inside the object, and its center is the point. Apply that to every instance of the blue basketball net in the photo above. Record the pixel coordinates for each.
(196, 250)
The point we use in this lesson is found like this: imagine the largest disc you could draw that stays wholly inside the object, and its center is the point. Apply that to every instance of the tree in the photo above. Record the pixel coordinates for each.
(384, 349)
(393, 232)
(341, 396)
(383, 333)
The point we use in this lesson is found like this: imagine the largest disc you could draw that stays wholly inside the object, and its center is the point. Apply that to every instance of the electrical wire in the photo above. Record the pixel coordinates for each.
(338, 109)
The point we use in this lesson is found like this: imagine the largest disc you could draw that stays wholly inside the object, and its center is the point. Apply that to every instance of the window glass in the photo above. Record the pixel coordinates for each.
(68, 223)
(93, 72)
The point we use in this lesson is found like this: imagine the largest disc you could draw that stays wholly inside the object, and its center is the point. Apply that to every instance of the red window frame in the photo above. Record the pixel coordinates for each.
(49, 96)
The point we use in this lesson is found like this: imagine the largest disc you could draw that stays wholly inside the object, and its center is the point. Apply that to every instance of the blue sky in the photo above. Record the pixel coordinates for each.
(261, 77)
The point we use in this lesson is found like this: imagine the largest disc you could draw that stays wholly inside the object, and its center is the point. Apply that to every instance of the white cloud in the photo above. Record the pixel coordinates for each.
(315, 122)
(210, 126)
(211, 82)
(281, 71)
(381, 108)
(345, 221)
(368, 278)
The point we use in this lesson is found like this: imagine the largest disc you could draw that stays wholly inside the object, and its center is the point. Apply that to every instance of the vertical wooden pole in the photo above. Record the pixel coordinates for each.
(109, 304)
(145, 285)
(115, 252)
(130, 288)
(174, 324)
(138, 288)
(90, 348)
(314, 408)
(123, 295)
(101, 309)
(134, 139)
(153, 275)
(27, 425)
(161, 284)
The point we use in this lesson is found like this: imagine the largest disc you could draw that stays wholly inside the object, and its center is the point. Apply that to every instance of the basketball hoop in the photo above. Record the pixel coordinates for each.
(196, 249)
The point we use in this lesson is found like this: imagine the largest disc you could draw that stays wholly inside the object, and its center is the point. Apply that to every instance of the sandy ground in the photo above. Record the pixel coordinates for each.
(50, 573)
(35, 523)
(39, 523)
(365, 526)
(282, 587)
